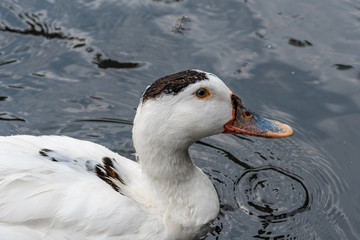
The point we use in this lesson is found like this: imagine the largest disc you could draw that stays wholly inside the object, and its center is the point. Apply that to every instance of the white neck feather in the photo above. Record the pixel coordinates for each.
(165, 160)
(171, 177)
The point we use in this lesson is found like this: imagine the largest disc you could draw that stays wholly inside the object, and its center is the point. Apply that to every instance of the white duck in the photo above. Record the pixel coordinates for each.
(57, 187)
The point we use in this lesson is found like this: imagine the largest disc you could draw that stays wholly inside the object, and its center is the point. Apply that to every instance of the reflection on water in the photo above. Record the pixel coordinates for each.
(79, 68)
(180, 25)
(106, 120)
(227, 155)
(10, 117)
(343, 66)
(109, 63)
(299, 43)
(8, 62)
(37, 26)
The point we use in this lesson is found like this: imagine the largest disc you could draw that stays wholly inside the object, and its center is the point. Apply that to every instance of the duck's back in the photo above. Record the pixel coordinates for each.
(55, 187)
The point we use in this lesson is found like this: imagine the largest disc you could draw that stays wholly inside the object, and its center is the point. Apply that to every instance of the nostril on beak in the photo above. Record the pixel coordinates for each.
(247, 115)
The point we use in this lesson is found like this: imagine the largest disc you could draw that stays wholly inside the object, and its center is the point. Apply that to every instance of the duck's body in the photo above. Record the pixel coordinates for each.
(52, 188)
(56, 187)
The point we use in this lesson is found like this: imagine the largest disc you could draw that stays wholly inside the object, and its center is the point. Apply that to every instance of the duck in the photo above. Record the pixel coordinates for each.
(58, 187)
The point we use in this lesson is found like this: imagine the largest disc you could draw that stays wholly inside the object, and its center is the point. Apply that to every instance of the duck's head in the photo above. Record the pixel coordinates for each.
(184, 107)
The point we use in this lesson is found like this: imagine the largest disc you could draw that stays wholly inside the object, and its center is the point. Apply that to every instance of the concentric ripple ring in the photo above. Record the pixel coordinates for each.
(271, 193)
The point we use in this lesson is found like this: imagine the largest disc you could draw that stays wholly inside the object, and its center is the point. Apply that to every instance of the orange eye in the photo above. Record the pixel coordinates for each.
(202, 93)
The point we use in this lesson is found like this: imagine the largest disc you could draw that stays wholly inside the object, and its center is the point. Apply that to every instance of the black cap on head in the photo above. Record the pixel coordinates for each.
(173, 84)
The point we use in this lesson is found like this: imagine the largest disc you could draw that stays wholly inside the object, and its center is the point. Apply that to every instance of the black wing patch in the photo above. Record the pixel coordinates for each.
(45, 152)
(107, 171)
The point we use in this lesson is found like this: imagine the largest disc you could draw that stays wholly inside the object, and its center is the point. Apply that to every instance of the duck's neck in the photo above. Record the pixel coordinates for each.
(174, 182)
(161, 148)
(165, 162)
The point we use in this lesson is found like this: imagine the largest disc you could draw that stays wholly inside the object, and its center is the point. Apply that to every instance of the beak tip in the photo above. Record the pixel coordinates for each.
(286, 131)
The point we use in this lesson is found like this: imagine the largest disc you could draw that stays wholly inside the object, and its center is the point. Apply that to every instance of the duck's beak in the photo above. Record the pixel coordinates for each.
(249, 123)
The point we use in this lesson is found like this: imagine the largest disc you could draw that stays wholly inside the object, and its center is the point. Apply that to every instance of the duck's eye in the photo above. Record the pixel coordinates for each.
(202, 93)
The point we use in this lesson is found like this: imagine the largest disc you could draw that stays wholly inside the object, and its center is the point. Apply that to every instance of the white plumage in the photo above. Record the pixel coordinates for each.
(57, 187)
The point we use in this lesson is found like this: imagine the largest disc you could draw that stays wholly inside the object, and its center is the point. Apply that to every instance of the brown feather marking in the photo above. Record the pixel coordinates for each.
(108, 173)
(110, 169)
(44, 152)
(173, 84)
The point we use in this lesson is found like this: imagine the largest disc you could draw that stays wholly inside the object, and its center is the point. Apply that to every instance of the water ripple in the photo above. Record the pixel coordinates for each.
(37, 25)
(271, 193)
(106, 120)
(10, 117)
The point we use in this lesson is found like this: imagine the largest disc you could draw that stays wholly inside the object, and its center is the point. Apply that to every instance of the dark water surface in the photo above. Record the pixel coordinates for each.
(78, 68)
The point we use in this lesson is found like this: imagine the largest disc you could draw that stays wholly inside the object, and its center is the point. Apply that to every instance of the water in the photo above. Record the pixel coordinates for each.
(79, 69)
